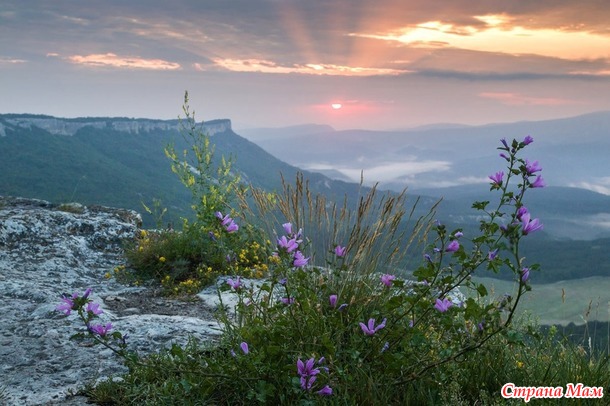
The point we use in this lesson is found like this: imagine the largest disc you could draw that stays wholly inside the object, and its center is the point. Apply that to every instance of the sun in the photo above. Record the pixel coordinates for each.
(336, 106)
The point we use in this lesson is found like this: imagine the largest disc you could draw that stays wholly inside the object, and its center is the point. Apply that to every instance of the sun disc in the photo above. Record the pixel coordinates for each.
(336, 106)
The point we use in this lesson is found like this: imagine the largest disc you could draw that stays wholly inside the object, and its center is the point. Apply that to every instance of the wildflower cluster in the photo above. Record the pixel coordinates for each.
(89, 312)
(350, 331)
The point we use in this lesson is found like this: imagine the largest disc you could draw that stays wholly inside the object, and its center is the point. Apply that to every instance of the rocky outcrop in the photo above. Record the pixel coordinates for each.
(49, 250)
(69, 126)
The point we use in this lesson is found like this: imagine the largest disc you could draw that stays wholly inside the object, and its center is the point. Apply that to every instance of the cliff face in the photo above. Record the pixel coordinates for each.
(68, 127)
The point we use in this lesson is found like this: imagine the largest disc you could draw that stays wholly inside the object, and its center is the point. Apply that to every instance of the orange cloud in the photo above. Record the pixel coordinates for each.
(115, 61)
(516, 99)
(260, 65)
(499, 34)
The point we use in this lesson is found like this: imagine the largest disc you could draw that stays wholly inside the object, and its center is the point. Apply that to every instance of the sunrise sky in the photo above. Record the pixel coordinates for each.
(266, 63)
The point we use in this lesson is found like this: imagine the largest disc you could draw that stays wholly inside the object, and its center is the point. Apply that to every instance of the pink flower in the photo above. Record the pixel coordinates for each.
(443, 305)
(370, 329)
(340, 251)
(497, 178)
(530, 225)
(452, 246)
(244, 347)
(94, 308)
(234, 284)
(100, 329)
(299, 259)
(538, 182)
(387, 279)
(288, 245)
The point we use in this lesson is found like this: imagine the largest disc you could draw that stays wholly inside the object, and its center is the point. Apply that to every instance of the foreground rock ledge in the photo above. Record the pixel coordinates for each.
(48, 250)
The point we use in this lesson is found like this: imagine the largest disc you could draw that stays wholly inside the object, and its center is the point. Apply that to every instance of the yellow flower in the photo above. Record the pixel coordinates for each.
(519, 364)
(161, 259)
(143, 233)
(141, 249)
(107, 275)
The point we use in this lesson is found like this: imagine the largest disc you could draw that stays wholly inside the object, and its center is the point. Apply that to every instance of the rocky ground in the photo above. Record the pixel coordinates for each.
(47, 251)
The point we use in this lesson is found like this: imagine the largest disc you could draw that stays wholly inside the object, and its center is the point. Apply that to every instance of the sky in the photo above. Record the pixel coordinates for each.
(384, 64)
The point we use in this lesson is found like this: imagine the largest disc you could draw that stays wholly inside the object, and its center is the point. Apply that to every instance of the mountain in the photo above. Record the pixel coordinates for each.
(573, 152)
(120, 162)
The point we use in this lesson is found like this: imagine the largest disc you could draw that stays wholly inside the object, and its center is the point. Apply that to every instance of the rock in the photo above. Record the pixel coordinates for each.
(47, 251)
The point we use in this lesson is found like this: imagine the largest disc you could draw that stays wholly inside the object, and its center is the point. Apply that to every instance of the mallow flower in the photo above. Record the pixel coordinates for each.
(443, 305)
(332, 299)
(525, 274)
(325, 391)
(497, 178)
(287, 228)
(492, 254)
(528, 140)
(100, 329)
(387, 279)
(452, 246)
(94, 308)
(244, 347)
(532, 167)
(371, 329)
(288, 244)
(340, 251)
(234, 284)
(530, 225)
(299, 259)
(538, 182)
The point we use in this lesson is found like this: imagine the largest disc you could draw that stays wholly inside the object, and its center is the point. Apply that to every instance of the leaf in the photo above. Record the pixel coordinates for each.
(482, 290)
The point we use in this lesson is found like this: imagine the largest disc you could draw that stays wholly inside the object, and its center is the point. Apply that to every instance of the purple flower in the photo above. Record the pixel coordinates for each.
(387, 279)
(87, 293)
(497, 178)
(538, 182)
(287, 228)
(283, 281)
(307, 382)
(234, 284)
(458, 234)
(340, 251)
(532, 167)
(342, 307)
(371, 329)
(244, 347)
(503, 141)
(452, 246)
(287, 300)
(212, 236)
(100, 329)
(525, 274)
(427, 257)
(307, 368)
(67, 306)
(503, 155)
(299, 259)
(443, 305)
(492, 254)
(325, 391)
(521, 211)
(528, 140)
(529, 226)
(94, 308)
(332, 299)
(288, 245)
(231, 227)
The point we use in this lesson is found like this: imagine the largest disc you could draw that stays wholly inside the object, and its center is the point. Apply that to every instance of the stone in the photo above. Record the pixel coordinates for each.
(49, 250)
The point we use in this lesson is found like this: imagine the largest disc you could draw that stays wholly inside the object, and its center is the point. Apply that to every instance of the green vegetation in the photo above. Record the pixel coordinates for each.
(332, 322)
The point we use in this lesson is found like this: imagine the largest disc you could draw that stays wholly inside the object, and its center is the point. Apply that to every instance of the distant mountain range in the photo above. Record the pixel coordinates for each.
(120, 162)
(572, 151)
